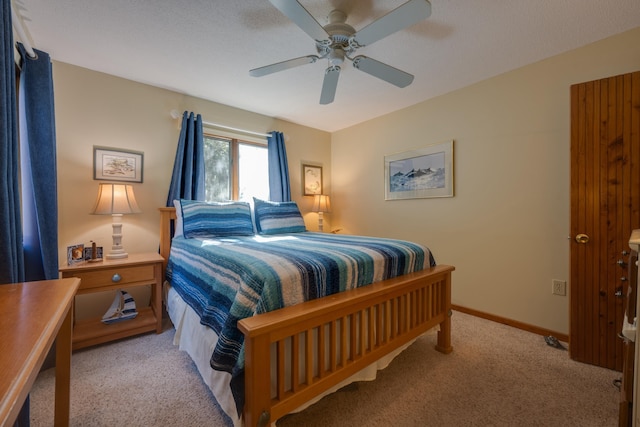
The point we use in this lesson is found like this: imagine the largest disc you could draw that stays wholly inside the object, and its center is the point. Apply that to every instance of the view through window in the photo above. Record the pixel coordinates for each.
(235, 169)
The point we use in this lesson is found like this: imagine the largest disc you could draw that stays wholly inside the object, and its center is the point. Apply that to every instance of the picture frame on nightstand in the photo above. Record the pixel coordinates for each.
(75, 254)
(88, 253)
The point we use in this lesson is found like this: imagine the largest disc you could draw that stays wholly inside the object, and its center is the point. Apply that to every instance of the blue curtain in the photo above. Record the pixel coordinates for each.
(38, 167)
(187, 180)
(11, 254)
(279, 187)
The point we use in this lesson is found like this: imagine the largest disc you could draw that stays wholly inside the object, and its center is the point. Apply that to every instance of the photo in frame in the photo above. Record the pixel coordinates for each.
(88, 253)
(75, 254)
(115, 164)
(311, 180)
(421, 173)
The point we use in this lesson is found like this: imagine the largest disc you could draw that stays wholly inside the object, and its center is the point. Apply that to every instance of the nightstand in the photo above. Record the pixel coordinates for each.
(109, 275)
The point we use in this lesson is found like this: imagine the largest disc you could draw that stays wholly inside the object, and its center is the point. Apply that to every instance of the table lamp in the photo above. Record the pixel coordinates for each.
(116, 200)
(321, 204)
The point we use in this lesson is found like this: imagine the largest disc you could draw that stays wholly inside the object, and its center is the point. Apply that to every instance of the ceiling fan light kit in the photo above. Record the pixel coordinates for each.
(338, 41)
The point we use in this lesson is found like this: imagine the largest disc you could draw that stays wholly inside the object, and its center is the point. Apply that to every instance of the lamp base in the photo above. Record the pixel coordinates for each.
(117, 251)
(117, 254)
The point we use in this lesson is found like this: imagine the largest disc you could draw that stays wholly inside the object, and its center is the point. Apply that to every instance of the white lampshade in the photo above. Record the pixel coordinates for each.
(321, 203)
(116, 200)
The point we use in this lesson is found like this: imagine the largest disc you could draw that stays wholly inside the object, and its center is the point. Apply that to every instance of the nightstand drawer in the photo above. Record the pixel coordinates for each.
(115, 276)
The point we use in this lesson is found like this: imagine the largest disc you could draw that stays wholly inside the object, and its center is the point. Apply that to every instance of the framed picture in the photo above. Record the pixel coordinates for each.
(115, 164)
(88, 253)
(75, 254)
(311, 180)
(422, 173)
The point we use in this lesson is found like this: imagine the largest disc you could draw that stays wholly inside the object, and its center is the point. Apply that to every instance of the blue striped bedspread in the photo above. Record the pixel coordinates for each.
(227, 279)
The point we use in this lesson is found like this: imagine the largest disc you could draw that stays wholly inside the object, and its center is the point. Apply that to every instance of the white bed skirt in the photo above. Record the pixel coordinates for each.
(199, 341)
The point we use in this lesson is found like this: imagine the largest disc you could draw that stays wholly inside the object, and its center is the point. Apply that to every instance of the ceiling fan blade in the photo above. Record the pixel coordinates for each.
(403, 16)
(302, 18)
(382, 71)
(329, 84)
(284, 65)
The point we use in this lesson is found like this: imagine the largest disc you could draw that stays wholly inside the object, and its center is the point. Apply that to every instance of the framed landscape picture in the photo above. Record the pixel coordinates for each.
(115, 164)
(422, 173)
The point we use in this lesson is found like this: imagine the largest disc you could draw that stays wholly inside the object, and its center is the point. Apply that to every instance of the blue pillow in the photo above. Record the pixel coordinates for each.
(204, 219)
(277, 217)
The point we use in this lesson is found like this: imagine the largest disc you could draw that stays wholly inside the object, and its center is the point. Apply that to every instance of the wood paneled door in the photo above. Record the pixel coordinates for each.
(605, 207)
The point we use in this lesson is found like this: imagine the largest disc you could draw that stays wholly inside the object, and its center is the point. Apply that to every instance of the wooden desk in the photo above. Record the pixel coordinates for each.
(34, 315)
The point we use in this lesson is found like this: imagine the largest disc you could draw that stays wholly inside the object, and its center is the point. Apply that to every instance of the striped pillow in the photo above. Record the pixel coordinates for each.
(208, 219)
(277, 217)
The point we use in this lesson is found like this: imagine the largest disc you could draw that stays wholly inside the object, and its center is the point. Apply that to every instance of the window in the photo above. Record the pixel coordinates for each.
(235, 169)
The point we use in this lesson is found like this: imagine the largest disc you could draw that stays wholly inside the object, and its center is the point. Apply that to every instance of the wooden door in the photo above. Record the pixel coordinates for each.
(605, 207)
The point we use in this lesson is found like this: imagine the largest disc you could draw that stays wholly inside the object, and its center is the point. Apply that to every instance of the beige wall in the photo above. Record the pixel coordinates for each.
(506, 228)
(98, 109)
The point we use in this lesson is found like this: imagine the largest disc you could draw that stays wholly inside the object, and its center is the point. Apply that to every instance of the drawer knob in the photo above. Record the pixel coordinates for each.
(116, 278)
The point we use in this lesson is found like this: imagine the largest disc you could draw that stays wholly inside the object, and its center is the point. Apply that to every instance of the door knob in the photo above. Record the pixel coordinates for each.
(582, 238)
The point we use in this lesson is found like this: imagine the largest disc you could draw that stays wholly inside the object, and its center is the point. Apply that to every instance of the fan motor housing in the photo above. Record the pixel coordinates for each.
(337, 25)
(339, 34)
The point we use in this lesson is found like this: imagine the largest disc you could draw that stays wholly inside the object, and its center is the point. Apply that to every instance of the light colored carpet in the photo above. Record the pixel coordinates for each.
(496, 376)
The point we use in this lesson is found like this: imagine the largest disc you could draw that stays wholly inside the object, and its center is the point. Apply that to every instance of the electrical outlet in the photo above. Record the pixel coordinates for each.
(559, 287)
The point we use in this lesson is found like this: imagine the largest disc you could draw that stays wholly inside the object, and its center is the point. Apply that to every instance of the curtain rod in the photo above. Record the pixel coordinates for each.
(16, 22)
(175, 114)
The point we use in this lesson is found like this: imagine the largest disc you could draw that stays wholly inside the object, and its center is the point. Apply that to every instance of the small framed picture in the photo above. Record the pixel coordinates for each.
(88, 253)
(115, 164)
(311, 180)
(75, 254)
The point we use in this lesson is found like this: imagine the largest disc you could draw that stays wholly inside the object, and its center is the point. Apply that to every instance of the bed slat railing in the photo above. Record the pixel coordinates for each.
(361, 325)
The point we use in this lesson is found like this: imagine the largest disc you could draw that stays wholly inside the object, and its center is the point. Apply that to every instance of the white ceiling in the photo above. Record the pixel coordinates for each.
(205, 48)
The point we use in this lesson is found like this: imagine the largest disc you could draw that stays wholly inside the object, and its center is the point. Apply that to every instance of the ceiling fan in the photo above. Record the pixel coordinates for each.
(338, 41)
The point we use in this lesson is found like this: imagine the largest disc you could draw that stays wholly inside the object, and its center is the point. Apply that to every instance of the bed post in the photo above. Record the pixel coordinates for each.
(257, 392)
(167, 217)
(444, 334)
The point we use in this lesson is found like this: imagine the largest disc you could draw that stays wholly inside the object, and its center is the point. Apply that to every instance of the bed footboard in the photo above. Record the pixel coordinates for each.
(339, 335)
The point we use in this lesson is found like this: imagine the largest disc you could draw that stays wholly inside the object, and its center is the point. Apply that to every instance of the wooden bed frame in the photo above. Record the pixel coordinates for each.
(338, 335)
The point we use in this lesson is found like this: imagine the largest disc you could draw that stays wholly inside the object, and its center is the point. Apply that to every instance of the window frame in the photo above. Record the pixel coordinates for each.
(234, 152)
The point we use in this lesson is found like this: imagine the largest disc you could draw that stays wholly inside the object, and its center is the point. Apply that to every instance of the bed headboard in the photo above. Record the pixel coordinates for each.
(167, 224)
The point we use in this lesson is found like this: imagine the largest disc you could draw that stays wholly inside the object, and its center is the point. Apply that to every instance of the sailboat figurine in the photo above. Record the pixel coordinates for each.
(123, 307)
